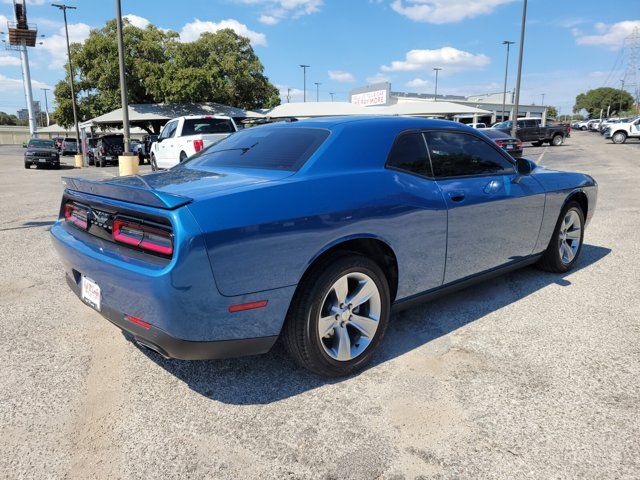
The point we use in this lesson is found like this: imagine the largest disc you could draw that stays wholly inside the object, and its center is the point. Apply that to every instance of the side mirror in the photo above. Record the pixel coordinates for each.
(524, 166)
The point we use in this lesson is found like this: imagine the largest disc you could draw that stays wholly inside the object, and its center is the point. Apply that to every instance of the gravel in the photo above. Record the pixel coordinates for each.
(533, 375)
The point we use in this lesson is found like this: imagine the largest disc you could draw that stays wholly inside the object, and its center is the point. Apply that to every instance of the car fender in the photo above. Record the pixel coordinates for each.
(336, 242)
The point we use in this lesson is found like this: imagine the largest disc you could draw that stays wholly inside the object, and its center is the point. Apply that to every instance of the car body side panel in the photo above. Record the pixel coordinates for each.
(406, 212)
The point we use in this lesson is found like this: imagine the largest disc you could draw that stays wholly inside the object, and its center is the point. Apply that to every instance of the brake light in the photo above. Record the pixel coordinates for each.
(76, 216)
(143, 236)
(519, 144)
(500, 143)
(138, 321)
(198, 145)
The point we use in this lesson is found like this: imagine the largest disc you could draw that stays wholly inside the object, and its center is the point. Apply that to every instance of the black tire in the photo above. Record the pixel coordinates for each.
(56, 166)
(183, 157)
(300, 332)
(557, 140)
(27, 165)
(551, 260)
(619, 137)
(140, 159)
(583, 128)
(536, 144)
(154, 165)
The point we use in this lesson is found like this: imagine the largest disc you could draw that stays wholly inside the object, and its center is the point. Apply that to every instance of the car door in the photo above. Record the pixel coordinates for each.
(494, 214)
(163, 149)
(533, 129)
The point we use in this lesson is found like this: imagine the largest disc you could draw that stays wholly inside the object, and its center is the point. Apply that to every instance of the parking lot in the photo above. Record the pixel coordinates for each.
(533, 375)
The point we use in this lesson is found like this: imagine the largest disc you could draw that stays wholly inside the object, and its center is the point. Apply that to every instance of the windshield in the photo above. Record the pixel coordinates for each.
(503, 124)
(36, 142)
(198, 126)
(263, 148)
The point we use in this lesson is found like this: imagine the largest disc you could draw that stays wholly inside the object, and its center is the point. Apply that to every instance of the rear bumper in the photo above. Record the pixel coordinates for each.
(171, 347)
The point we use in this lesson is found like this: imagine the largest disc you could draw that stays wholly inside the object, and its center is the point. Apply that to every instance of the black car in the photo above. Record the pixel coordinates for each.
(511, 145)
(147, 141)
(531, 130)
(69, 146)
(43, 152)
(108, 149)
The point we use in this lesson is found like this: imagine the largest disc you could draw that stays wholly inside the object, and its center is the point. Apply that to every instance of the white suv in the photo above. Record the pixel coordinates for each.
(185, 136)
(619, 132)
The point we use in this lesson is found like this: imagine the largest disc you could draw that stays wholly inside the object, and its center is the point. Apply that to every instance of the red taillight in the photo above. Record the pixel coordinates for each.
(138, 321)
(143, 236)
(76, 215)
(247, 306)
(519, 144)
(500, 143)
(198, 145)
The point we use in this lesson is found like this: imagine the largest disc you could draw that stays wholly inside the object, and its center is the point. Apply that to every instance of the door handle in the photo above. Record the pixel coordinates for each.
(456, 196)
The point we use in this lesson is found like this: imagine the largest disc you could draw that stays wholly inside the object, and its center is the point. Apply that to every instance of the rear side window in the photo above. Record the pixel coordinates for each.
(455, 154)
(203, 126)
(409, 153)
(263, 148)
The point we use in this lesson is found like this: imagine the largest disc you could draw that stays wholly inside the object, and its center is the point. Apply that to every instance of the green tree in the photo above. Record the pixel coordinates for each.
(604, 98)
(220, 67)
(8, 119)
(552, 112)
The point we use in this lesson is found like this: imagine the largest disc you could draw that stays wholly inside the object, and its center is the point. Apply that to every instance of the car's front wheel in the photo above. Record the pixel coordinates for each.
(338, 316)
(619, 137)
(27, 165)
(566, 243)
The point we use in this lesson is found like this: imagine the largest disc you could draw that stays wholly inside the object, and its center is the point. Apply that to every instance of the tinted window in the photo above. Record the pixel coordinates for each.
(494, 133)
(459, 154)
(196, 126)
(530, 123)
(113, 140)
(409, 153)
(41, 143)
(264, 148)
(168, 130)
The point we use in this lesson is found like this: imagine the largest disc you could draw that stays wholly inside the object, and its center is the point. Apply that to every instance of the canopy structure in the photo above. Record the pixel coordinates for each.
(153, 116)
(317, 109)
(423, 109)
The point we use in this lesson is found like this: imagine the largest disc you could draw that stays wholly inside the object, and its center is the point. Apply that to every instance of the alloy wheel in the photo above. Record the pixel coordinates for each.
(570, 236)
(349, 316)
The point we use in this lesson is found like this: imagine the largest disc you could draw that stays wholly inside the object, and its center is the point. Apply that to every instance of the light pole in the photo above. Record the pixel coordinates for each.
(543, 94)
(317, 84)
(64, 9)
(506, 74)
(288, 95)
(46, 103)
(435, 97)
(304, 74)
(332, 94)
(621, 95)
(514, 126)
(123, 81)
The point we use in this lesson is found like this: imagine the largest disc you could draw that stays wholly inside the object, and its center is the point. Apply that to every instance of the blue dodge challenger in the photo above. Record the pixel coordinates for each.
(313, 232)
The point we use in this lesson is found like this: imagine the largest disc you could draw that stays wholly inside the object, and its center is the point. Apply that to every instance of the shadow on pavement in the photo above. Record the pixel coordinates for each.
(274, 376)
(47, 223)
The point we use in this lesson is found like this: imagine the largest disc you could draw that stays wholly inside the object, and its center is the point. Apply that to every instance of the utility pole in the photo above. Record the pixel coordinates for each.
(64, 9)
(123, 80)
(46, 103)
(506, 73)
(332, 94)
(543, 94)
(514, 126)
(621, 95)
(304, 74)
(288, 95)
(435, 96)
(317, 84)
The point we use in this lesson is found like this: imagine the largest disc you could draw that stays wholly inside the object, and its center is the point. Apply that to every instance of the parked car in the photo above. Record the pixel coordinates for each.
(108, 149)
(511, 145)
(185, 136)
(592, 125)
(531, 130)
(478, 125)
(582, 125)
(312, 231)
(145, 151)
(620, 132)
(41, 152)
(69, 146)
(58, 142)
(92, 143)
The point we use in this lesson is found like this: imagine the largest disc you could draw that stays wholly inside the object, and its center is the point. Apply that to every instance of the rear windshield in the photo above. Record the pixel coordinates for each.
(70, 140)
(197, 126)
(263, 148)
(113, 140)
(41, 143)
(494, 133)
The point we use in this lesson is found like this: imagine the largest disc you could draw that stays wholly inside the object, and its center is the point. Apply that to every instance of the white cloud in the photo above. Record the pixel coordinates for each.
(295, 94)
(31, 2)
(342, 77)
(273, 11)
(56, 44)
(7, 83)
(445, 11)
(378, 78)
(448, 58)
(137, 21)
(418, 83)
(192, 31)
(611, 36)
(9, 61)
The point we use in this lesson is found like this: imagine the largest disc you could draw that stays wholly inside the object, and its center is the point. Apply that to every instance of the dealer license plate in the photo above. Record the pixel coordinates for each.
(90, 292)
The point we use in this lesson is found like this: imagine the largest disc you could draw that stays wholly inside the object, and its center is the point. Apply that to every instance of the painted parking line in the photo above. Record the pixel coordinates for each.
(539, 162)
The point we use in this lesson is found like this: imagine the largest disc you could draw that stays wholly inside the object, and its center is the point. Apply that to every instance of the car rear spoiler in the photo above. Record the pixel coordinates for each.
(127, 189)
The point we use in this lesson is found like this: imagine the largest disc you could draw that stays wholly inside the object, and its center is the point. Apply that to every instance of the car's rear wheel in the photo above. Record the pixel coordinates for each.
(557, 140)
(338, 316)
(619, 137)
(566, 243)
(183, 157)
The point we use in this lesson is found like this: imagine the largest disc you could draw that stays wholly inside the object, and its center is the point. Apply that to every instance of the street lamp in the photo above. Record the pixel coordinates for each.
(317, 84)
(514, 126)
(435, 97)
(64, 9)
(543, 94)
(506, 74)
(332, 94)
(304, 73)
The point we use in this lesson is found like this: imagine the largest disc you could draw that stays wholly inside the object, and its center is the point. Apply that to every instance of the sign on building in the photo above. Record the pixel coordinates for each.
(377, 94)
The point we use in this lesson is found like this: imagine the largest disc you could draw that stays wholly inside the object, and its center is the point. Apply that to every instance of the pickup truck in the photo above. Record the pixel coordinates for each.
(531, 130)
(185, 136)
(619, 132)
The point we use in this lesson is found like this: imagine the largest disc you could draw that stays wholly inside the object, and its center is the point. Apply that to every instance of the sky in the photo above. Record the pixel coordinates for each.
(570, 45)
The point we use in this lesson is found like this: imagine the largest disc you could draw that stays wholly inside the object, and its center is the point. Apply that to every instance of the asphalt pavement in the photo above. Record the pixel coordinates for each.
(533, 375)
